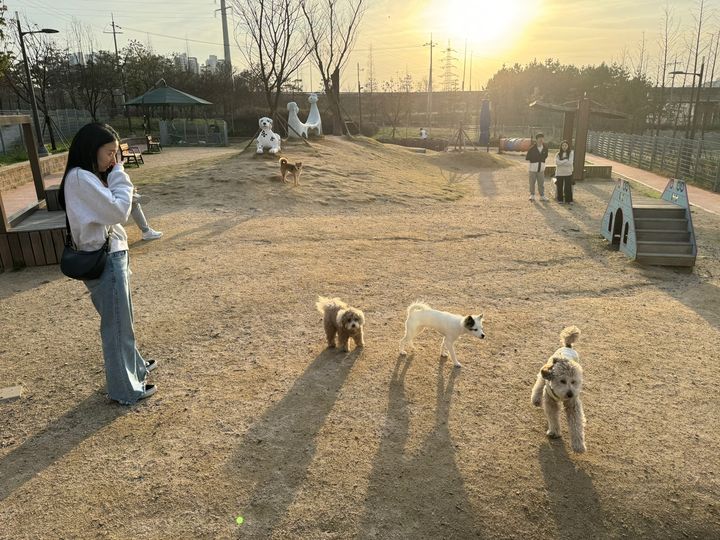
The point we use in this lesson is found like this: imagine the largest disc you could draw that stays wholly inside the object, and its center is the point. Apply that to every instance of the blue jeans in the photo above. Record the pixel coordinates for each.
(125, 371)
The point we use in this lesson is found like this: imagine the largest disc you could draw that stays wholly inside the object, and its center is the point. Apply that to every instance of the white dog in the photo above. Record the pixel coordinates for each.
(267, 139)
(560, 382)
(421, 316)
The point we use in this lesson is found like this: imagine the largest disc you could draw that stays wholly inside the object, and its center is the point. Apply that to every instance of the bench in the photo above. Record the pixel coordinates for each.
(152, 145)
(131, 154)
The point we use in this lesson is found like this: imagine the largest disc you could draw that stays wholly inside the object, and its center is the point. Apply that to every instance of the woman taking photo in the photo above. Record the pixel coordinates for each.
(97, 199)
(564, 173)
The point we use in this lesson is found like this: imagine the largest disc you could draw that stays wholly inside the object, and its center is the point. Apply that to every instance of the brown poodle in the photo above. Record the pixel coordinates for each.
(345, 321)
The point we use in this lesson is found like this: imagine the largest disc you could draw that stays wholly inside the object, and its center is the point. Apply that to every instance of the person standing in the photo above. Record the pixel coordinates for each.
(564, 173)
(148, 233)
(537, 155)
(97, 196)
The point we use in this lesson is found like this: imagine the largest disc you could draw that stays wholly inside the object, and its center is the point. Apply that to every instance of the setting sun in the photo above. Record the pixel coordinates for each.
(490, 24)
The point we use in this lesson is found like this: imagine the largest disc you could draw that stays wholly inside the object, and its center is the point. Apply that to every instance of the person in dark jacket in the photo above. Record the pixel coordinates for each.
(537, 155)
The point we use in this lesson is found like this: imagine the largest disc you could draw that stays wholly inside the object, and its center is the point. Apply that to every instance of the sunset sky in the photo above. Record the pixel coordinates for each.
(497, 32)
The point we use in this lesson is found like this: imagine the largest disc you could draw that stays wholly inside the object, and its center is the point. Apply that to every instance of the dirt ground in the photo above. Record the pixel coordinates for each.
(255, 418)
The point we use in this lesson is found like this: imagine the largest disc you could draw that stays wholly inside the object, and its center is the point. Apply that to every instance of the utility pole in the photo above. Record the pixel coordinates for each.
(462, 87)
(429, 105)
(471, 54)
(450, 79)
(114, 32)
(226, 39)
(359, 100)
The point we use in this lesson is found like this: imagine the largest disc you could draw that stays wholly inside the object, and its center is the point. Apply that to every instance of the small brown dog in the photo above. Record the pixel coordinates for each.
(293, 168)
(345, 321)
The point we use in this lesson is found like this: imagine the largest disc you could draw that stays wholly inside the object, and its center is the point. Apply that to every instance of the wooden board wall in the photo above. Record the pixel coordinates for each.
(31, 248)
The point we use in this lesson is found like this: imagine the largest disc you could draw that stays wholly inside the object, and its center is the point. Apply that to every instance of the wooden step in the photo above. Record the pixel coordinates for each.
(665, 224)
(661, 235)
(664, 247)
(663, 259)
(647, 211)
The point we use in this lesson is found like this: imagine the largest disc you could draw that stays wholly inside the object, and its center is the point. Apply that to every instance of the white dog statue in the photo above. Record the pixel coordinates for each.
(314, 122)
(267, 138)
(296, 129)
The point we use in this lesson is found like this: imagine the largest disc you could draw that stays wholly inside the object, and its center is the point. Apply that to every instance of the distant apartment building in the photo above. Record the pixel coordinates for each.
(76, 59)
(193, 66)
(181, 61)
(211, 64)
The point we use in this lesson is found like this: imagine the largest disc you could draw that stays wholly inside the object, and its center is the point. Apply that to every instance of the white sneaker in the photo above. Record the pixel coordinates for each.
(532, 198)
(151, 234)
(544, 198)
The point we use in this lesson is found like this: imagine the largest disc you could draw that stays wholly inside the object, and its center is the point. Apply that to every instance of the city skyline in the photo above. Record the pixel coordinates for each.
(579, 32)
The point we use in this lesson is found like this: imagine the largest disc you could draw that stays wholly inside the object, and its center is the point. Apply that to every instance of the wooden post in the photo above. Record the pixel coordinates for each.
(568, 127)
(34, 161)
(583, 123)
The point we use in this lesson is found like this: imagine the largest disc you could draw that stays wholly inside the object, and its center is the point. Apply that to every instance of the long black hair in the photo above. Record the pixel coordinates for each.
(565, 152)
(83, 151)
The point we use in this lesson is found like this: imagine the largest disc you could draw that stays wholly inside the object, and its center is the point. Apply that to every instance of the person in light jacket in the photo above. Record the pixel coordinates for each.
(537, 155)
(97, 196)
(564, 173)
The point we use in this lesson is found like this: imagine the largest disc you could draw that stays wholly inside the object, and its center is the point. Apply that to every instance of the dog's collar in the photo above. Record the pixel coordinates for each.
(552, 394)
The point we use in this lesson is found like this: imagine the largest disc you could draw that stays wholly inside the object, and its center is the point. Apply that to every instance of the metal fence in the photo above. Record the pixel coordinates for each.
(66, 122)
(692, 160)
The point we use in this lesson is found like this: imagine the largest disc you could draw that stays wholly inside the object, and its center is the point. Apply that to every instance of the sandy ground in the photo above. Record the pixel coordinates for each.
(254, 418)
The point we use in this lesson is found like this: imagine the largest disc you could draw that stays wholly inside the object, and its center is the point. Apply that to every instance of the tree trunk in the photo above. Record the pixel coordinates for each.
(48, 123)
(335, 102)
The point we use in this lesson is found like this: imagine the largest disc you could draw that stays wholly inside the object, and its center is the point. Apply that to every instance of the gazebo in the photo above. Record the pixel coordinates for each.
(169, 99)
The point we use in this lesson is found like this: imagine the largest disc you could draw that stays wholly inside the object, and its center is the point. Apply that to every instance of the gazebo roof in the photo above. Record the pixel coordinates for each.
(167, 95)
(596, 108)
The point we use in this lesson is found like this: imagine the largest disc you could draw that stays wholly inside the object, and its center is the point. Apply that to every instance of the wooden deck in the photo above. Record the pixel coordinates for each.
(37, 241)
(30, 234)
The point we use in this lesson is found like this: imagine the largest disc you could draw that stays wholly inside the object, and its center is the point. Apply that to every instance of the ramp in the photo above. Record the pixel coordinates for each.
(652, 231)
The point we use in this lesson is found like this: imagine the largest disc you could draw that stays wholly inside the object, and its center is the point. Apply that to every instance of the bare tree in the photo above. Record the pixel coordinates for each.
(696, 51)
(45, 59)
(712, 60)
(332, 32)
(95, 73)
(668, 37)
(275, 43)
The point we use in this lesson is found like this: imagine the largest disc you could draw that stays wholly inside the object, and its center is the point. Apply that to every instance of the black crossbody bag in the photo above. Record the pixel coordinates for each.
(78, 264)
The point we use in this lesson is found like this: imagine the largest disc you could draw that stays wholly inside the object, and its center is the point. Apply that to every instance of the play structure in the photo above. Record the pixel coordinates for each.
(33, 233)
(652, 231)
(514, 145)
(298, 129)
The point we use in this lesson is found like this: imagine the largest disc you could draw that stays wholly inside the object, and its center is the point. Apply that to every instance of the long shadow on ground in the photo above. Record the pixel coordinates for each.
(573, 501)
(59, 438)
(420, 495)
(278, 449)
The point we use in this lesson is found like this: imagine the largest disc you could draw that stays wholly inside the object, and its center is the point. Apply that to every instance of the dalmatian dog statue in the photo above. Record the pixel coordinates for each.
(267, 139)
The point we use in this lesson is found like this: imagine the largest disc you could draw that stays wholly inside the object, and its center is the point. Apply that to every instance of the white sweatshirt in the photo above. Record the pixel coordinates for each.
(94, 210)
(564, 167)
